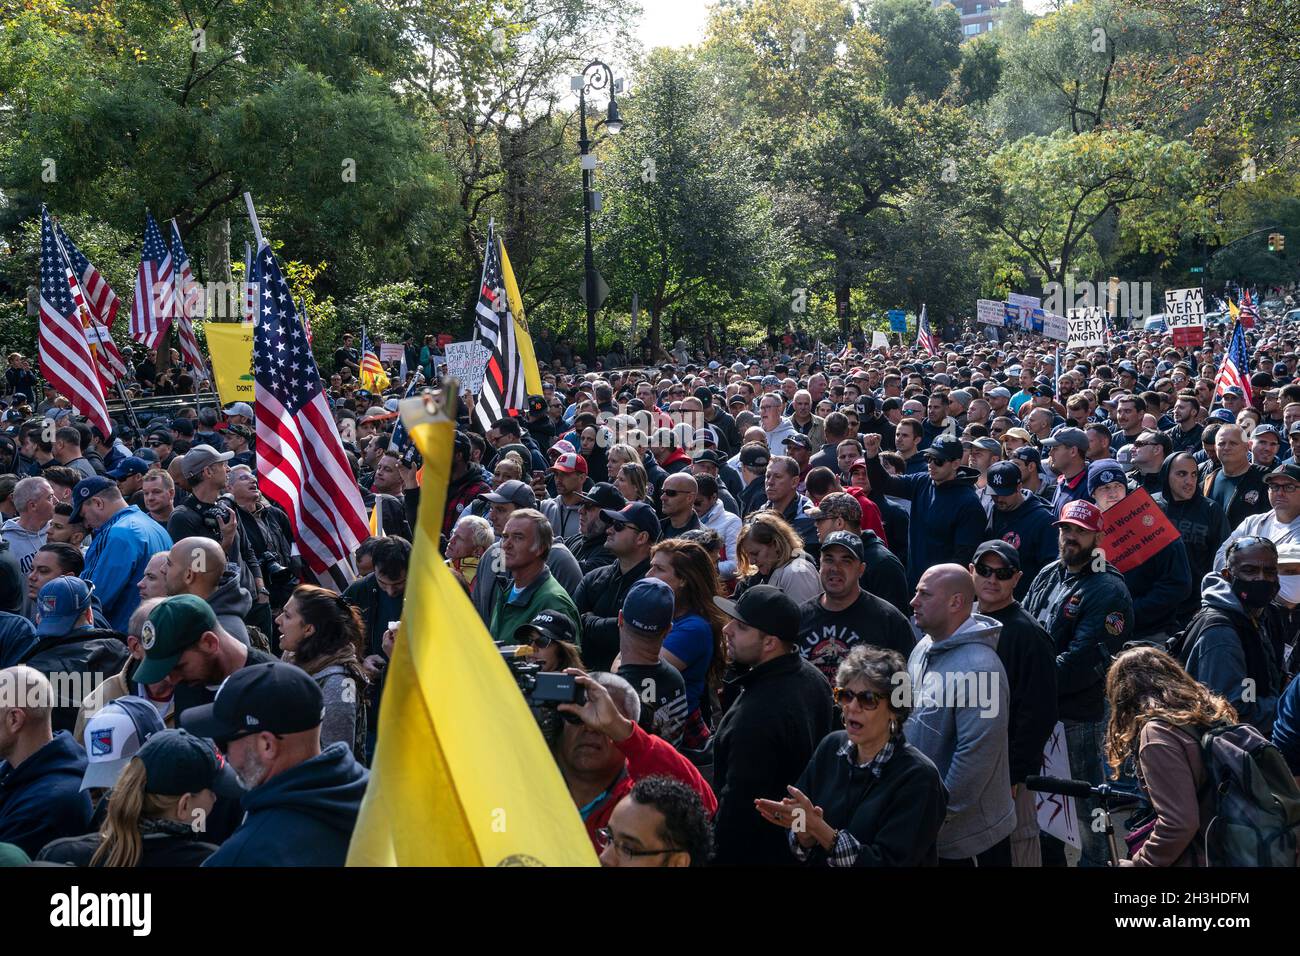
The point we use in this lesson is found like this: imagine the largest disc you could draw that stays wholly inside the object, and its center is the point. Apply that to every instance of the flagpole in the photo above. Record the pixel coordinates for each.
(252, 218)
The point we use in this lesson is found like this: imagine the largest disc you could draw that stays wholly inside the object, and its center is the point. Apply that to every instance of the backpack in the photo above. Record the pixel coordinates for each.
(1256, 800)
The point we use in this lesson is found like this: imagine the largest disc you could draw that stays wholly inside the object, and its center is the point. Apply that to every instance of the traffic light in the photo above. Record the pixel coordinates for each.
(1276, 242)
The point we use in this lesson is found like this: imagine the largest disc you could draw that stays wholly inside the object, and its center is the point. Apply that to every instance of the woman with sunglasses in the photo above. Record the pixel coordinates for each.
(867, 797)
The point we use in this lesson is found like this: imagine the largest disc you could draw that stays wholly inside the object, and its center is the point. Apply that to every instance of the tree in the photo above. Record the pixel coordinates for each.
(921, 46)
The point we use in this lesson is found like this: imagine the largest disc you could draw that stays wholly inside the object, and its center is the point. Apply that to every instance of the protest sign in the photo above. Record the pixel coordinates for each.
(1024, 306)
(897, 320)
(1087, 327)
(1056, 814)
(1134, 530)
(879, 340)
(1056, 327)
(467, 363)
(391, 352)
(990, 312)
(1185, 317)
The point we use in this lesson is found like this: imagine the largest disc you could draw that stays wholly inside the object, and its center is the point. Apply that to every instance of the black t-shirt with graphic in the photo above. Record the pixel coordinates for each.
(663, 698)
(826, 637)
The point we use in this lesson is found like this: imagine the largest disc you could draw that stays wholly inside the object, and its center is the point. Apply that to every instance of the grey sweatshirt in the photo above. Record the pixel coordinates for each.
(960, 700)
(343, 719)
(23, 544)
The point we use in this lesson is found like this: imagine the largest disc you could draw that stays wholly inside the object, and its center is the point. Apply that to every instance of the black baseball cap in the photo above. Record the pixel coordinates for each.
(605, 495)
(1289, 469)
(1002, 549)
(797, 439)
(846, 540)
(754, 456)
(945, 448)
(636, 513)
(552, 625)
(176, 762)
(1004, 478)
(273, 697)
(766, 608)
(713, 456)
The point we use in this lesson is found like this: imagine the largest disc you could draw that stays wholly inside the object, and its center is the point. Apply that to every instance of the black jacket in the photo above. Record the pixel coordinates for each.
(1027, 655)
(895, 817)
(1251, 496)
(763, 744)
(165, 843)
(1203, 527)
(1158, 585)
(89, 651)
(599, 598)
(590, 553)
(884, 575)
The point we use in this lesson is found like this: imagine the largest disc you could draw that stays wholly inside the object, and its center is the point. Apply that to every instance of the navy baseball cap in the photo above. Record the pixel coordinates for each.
(273, 697)
(945, 448)
(1027, 453)
(60, 604)
(177, 762)
(649, 606)
(1004, 478)
(1223, 415)
(86, 489)
(130, 466)
(636, 513)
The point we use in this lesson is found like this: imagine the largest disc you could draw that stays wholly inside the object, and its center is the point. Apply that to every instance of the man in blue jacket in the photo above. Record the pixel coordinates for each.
(125, 538)
(947, 522)
(1023, 520)
(302, 802)
(40, 771)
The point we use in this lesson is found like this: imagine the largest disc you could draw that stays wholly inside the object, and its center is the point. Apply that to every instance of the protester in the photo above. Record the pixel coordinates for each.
(124, 541)
(530, 587)
(661, 822)
(633, 530)
(771, 553)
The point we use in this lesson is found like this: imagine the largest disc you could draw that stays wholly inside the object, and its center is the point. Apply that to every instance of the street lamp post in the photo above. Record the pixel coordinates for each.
(596, 75)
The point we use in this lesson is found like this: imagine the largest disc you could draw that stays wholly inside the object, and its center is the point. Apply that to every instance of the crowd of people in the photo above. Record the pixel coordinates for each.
(826, 610)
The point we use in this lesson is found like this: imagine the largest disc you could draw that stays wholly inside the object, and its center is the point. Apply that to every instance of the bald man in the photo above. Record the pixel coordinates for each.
(199, 566)
(960, 702)
(40, 771)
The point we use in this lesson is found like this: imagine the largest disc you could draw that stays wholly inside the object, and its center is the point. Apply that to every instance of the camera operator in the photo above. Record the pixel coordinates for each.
(207, 513)
(271, 538)
(604, 756)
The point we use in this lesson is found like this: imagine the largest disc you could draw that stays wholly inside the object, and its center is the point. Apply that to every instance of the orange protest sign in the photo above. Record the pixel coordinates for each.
(1134, 530)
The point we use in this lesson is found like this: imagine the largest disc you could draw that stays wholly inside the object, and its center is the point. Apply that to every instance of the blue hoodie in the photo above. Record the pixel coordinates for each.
(302, 817)
(41, 799)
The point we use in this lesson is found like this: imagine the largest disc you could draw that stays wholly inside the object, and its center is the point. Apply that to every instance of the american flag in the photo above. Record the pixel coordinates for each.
(923, 337)
(189, 301)
(108, 359)
(66, 361)
(300, 461)
(1235, 365)
(154, 302)
(503, 390)
(1249, 314)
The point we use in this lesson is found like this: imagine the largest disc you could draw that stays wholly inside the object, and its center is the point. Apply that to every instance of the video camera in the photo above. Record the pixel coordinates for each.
(543, 690)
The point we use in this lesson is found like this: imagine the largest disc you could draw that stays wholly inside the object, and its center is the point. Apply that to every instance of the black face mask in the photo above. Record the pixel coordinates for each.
(1255, 594)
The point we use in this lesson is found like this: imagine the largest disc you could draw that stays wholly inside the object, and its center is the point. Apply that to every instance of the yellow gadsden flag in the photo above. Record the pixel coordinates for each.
(461, 775)
(231, 346)
(524, 341)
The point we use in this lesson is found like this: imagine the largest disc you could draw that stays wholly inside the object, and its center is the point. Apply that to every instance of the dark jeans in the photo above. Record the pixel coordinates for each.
(999, 854)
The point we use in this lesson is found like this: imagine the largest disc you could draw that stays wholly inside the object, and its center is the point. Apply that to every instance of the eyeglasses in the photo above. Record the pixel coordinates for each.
(604, 838)
(867, 699)
(1002, 574)
(1287, 488)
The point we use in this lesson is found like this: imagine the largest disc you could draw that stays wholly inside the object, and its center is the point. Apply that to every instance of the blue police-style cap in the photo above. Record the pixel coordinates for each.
(649, 606)
(86, 489)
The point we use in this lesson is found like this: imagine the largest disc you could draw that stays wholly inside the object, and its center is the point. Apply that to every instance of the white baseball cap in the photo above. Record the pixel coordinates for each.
(113, 736)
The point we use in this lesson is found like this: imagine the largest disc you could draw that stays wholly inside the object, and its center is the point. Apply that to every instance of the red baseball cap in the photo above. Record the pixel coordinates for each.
(570, 462)
(1082, 513)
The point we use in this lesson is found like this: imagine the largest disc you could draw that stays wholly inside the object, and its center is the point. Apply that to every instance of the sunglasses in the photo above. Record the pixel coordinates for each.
(1002, 574)
(867, 700)
(670, 493)
(619, 527)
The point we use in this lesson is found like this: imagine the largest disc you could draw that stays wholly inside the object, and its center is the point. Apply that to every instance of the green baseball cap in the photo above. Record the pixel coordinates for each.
(175, 624)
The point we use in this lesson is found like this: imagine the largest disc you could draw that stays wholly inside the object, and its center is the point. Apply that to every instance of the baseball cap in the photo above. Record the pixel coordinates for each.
(796, 439)
(712, 456)
(649, 606)
(521, 450)
(60, 604)
(129, 466)
(1266, 430)
(846, 540)
(737, 399)
(636, 513)
(1004, 478)
(272, 697)
(553, 625)
(114, 735)
(200, 457)
(945, 448)
(703, 393)
(174, 625)
(837, 504)
(1000, 392)
(754, 456)
(183, 427)
(985, 444)
(1002, 549)
(239, 408)
(1070, 437)
(561, 447)
(1223, 415)
(1082, 513)
(1104, 471)
(162, 435)
(1294, 429)
(86, 489)
(570, 462)
(605, 495)
(512, 492)
(146, 455)
(1027, 453)
(1290, 469)
(766, 608)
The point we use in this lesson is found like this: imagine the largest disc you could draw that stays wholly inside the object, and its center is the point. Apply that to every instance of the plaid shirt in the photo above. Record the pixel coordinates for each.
(844, 851)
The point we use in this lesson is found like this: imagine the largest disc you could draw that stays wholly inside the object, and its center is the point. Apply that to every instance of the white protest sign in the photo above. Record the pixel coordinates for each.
(989, 312)
(391, 352)
(1026, 305)
(1185, 316)
(1087, 327)
(879, 340)
(1056, 327)
(467, 363)
(1056, 814)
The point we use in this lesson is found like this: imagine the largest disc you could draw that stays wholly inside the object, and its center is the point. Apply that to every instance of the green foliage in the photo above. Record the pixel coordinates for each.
(921, 46)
